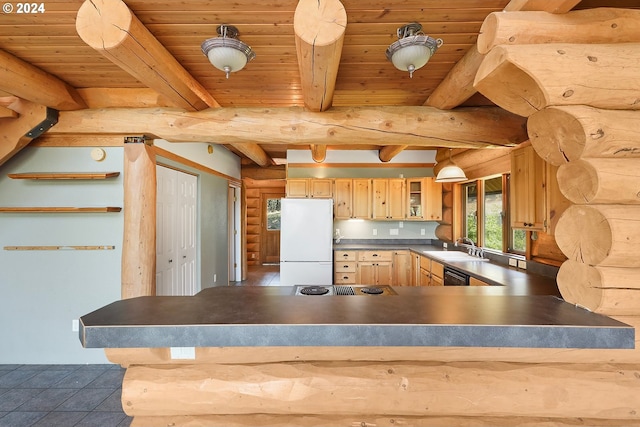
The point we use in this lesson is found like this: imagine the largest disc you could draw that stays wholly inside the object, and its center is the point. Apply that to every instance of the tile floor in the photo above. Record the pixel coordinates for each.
(61, 395)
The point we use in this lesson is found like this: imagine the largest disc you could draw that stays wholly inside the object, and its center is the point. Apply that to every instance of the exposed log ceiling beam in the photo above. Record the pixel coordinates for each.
(318, 152)
(319, 27)
(111, 28)
(390, 151)
(420, 126)
(603, 25)
(15, 131)
(30, 83)
(457, 86)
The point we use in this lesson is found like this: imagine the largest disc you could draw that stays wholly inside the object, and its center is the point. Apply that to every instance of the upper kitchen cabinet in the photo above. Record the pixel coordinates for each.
(536, 200)
(424, 199)
(311, 188)
(352, 198)
(389, 198)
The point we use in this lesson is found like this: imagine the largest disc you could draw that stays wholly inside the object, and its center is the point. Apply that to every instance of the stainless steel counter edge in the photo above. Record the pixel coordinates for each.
(255, 317)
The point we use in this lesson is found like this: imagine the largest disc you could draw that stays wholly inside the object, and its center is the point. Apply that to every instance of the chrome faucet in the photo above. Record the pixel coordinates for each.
(464, 240)
(473, 250)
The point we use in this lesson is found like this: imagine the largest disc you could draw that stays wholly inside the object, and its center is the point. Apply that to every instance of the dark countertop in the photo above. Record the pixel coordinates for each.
(417, 316)
(522, 282)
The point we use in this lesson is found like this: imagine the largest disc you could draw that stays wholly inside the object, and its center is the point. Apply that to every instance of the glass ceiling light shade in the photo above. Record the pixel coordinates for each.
(226, 52)
(451, 172)
(413, 48)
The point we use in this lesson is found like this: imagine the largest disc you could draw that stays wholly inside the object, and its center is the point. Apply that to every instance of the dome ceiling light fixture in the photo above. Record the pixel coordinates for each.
(226, 52)
(413, 49)
(451, 172)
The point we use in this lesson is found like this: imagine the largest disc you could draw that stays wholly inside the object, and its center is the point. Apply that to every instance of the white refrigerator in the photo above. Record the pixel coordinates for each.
(306, 242)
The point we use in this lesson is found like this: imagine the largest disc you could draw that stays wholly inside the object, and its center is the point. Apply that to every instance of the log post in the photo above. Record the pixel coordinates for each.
(606, 235)
(601, 181)
(319, 26)
(602, 25)
(564, 134)
(139, 240)
(524, 79)
(612, 291)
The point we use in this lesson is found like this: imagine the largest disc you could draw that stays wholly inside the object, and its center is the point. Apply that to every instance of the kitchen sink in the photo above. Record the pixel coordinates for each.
(453, 256)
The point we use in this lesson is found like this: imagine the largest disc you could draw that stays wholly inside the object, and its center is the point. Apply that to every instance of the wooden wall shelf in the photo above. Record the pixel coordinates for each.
(63, 175)
(61, 209)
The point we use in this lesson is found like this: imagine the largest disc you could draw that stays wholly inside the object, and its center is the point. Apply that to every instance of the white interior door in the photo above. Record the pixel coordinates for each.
(176, 210)
(166, 256)
(187, 202)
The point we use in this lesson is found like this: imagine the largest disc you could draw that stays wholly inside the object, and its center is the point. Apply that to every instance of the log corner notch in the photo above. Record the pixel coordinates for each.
(111, 28)
(520, 80)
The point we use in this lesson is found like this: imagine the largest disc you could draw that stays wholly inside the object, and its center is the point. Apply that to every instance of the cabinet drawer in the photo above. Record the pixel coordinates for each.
(344, 278)
(375, 256)
(477, 282)
(344, 256)
(425, 263)
(345, 267)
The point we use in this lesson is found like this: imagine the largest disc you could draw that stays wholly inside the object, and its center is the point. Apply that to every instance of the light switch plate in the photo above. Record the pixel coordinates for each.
(513, 262)
(375, 232)
(522, 264)
(393, 232)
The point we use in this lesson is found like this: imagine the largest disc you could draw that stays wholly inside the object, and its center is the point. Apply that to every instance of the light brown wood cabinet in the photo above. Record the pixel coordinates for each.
(310, 188)
(477, 282)
(375, 268)
(401, 268)
(431, 272)
(344, 267)
(388, 198)
(424, 199)
(536, 200)
(352, 198)
(415, 269)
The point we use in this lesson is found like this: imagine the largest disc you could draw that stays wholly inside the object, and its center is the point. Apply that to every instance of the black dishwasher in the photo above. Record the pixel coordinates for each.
(453, 277)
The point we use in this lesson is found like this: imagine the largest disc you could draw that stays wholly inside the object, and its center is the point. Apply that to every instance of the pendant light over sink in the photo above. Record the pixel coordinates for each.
(451, 172)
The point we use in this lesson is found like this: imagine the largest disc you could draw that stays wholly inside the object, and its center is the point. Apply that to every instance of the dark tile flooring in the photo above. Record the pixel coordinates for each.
(61, 395)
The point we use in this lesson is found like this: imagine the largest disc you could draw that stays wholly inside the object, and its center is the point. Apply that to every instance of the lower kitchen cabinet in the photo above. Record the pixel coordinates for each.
(431, 272)
(375, 268)
(415, 269)
(477, 282)
(401, 268)
(344, 267)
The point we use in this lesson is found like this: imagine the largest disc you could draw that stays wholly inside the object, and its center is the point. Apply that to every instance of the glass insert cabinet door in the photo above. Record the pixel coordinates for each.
(415, 198)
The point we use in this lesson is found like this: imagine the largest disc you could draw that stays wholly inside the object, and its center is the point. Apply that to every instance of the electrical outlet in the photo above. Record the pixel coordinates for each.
(375, 232)
(444, 246)
(400, 224)
(513, 262)
(423, 232)
(393, 231)
(75, 325)
(522, 264)
(183, 352)
(215, 278)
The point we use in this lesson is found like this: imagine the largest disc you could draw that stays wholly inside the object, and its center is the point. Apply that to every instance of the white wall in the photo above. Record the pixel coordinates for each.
(41, 292)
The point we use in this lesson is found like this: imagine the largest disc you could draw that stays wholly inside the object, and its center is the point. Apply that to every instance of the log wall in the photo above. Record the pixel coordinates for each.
(252, 197)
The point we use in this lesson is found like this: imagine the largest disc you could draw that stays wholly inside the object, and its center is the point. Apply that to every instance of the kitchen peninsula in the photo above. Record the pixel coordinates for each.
(241, 354)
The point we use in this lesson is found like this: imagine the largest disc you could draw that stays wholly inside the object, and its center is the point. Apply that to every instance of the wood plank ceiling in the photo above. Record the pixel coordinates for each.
(50, 42)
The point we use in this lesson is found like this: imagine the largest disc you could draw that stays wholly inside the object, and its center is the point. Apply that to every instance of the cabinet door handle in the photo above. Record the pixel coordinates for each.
(170, 260)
